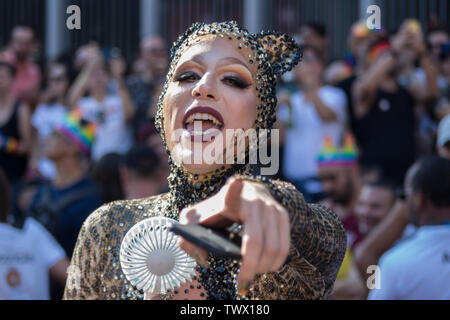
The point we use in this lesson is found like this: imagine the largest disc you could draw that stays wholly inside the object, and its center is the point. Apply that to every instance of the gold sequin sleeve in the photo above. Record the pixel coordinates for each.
(83, 281)
(317, 249)
(318, 244)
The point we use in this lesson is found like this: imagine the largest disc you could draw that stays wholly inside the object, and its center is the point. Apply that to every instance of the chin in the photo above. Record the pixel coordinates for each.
(195, 157)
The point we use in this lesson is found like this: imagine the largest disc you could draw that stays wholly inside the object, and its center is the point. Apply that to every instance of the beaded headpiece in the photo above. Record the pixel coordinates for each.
(330, 155)
(272, 53)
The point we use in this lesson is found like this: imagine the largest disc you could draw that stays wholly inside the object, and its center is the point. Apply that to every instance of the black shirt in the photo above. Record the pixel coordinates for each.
(386, 134)
(14, 165)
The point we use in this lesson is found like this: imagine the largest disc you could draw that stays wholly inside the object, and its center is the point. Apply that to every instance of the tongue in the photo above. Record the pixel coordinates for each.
(203, 125)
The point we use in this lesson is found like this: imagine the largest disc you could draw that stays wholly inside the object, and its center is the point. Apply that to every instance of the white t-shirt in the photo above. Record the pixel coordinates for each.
(305, 138)
(113, 134)
(420, 75)
(46, 116)
(26, 255)
(418, 268)
(44, 119)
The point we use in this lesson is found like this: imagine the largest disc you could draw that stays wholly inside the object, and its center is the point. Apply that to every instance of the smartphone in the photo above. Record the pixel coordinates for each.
(111, 53)
(220, 243)
(216, 241)
(414, 25)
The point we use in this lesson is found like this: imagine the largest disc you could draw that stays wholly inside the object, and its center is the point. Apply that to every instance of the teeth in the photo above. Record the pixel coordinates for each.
(203, 116)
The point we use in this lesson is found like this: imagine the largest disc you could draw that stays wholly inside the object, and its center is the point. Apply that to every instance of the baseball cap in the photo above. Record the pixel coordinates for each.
(78, 130)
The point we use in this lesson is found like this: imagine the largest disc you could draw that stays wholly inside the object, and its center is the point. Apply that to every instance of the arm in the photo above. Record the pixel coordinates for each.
(310, 82)
(117, 70)
(317, 247)
(431, 90)
(318, 242)
(277, 223)
(350, 288)
(325, 113)
(24, 130)
(37, 149)
(365, 86)
(127, 103)
(79, 86)
(381, 238)
(22, 145)
(59, 271)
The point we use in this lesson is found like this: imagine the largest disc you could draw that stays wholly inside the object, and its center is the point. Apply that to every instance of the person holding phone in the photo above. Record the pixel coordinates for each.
(112, 111)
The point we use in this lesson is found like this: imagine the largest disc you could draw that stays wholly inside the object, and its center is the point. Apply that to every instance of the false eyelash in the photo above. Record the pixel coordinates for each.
(237, 82)
(185, 76)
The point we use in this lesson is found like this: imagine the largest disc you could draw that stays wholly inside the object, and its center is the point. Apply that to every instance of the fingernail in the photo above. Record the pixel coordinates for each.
(202, 262)
(243, 287)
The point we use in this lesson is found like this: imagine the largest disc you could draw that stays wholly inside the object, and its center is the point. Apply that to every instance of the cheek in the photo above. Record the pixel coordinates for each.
(378, 214)
(51, 145)
(175, 100)
(241, 108)
(381, 212)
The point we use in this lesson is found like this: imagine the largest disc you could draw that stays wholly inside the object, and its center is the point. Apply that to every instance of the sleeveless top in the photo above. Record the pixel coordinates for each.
(14, 165)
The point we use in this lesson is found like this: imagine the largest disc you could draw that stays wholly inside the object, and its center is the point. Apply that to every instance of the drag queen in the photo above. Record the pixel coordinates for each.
(222, 78)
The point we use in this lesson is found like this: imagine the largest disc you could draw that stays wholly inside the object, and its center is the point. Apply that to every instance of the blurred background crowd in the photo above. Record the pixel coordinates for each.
(366, 134)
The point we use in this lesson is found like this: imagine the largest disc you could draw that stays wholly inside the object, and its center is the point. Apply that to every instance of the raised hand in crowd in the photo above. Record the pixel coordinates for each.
(118, 68)
(90, 59)
(409, 45)
(309, 77)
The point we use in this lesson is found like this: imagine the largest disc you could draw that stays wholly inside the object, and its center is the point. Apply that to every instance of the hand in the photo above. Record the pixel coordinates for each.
(266, 237)
(46, 95)
(308, 76)
(399, 42)
(418, 44)
(88, 55)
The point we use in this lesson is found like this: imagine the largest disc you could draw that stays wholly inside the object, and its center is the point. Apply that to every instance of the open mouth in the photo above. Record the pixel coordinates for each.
(203, 123)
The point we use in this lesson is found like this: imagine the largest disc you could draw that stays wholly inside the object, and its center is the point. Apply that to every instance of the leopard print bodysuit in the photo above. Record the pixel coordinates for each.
(317, 249)
(318, 240)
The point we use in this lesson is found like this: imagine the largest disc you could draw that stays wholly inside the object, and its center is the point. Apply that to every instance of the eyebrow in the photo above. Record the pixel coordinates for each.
(224, 61)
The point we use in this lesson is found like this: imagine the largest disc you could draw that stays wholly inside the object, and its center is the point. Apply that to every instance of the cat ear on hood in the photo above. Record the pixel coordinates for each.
(282, 51)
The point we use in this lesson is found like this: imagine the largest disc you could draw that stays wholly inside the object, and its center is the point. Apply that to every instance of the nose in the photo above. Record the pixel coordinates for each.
(327, 187)
(363, 211)
(205, 88)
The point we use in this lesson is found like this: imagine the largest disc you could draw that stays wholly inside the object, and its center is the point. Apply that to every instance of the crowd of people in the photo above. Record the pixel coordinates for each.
(367, 136)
